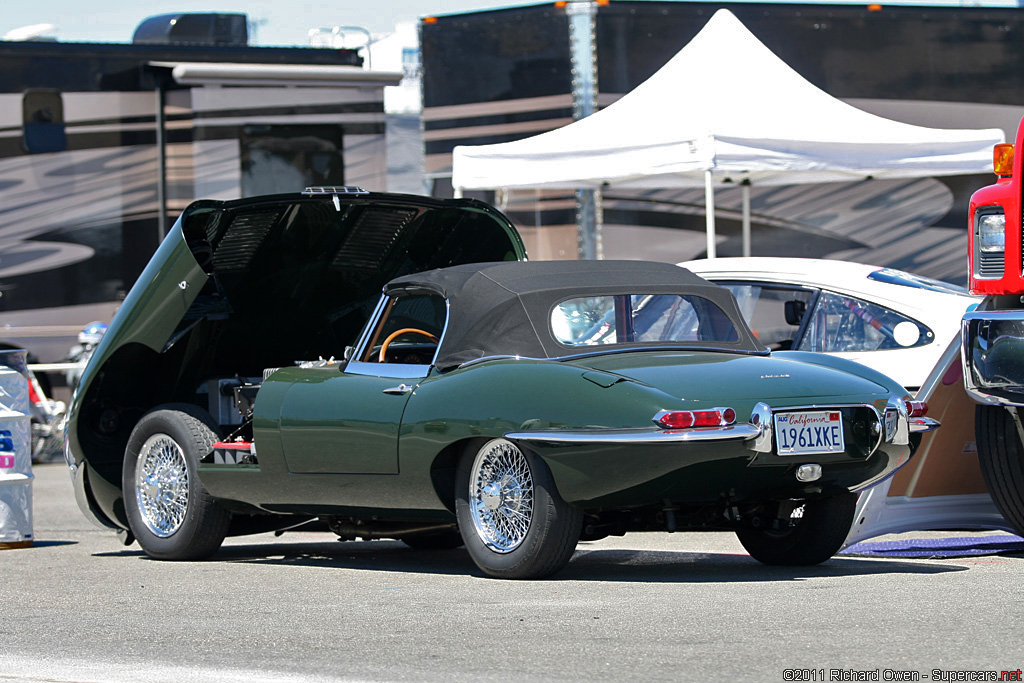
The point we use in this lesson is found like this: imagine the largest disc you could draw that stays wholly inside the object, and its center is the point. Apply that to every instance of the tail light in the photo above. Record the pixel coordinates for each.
(916, 408)
(683, 419)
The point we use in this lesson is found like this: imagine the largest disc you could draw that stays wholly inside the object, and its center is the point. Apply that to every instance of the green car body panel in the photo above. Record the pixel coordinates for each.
(536, 395)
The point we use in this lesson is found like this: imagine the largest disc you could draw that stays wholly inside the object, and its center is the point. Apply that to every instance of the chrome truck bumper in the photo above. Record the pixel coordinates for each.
(992, 351)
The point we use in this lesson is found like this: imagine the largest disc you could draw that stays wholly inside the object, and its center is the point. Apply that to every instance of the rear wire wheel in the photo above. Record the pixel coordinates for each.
(810, 539)
(513, 522)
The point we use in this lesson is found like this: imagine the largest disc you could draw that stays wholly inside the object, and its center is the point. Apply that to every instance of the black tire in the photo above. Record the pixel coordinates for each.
(441, 540)
(173, 517)
(816, 537)
(1001, 457)
(521, 529)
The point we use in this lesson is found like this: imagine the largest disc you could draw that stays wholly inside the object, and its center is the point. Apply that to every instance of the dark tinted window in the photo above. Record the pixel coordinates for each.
(900, 53)
(278, 159)
(43, 122)
(500, 55)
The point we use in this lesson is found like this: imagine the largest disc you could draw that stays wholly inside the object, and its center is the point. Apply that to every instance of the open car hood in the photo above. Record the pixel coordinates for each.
(276, 279)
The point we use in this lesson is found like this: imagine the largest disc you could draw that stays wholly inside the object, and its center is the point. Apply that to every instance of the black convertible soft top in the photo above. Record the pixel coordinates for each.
(503, 308)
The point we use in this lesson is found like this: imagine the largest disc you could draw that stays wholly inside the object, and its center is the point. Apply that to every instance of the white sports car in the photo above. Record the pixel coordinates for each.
(892, 321)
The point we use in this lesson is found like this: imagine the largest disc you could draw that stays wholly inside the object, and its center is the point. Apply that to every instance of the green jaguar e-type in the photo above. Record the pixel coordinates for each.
(390, 366)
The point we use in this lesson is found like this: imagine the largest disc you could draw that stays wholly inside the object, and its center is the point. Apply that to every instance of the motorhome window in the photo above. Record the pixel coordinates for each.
(278, 159)
(43, 122)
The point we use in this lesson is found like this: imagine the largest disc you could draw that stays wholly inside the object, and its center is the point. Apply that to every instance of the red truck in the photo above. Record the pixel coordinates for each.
(993, 334)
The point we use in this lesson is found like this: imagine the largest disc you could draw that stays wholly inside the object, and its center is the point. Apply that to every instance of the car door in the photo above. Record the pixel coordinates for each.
(348, 422)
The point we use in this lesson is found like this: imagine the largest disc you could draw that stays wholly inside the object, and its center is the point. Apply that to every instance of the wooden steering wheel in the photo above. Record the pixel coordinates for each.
(394, 335)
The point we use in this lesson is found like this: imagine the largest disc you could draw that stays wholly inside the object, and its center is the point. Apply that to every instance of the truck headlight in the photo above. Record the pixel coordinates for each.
(992, 232)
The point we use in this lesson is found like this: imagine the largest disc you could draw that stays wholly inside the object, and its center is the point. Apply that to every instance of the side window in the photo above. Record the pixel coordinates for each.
(774, 314)
(409, 331)
(842, 323)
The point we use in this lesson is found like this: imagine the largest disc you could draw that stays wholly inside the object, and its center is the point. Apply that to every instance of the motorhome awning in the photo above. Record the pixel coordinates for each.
(254, 75)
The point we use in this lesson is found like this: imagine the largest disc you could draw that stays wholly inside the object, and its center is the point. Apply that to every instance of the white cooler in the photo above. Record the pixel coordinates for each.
(15, 453)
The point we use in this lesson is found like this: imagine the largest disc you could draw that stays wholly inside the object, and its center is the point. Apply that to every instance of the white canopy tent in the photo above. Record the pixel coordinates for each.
(723, 110)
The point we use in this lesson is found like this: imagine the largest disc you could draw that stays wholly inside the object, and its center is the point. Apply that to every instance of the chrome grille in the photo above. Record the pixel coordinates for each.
(990, 265)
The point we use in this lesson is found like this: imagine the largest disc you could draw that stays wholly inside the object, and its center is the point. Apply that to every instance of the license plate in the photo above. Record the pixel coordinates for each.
(807, 433)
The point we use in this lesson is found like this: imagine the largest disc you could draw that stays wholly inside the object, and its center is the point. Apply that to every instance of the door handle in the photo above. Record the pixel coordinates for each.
(400, 390)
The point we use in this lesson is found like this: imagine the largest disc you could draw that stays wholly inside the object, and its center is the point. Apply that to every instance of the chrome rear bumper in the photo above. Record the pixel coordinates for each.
(992, 352)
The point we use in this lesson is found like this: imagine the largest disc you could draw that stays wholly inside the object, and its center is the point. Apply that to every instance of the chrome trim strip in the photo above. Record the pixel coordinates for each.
(389, 370)
(745, 431)
(638, 436)
(484, 359)
(920, 425)
(667, 348)
(444, 330)
(395, 370)
(615, 351)
(761, 417)
(368, 328)
(662, 413)
(763, 413)
(897, 433)
(334, 190)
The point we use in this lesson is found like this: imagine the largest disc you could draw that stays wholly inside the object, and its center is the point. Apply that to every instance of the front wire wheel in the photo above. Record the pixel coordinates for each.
(161, 485)
(514, 523)
(169, 511)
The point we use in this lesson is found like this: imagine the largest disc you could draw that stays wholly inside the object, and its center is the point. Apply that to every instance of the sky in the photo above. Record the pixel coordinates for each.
(278, 22)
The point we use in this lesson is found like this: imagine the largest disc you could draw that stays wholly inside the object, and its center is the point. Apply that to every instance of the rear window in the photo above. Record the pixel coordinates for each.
(645, 318)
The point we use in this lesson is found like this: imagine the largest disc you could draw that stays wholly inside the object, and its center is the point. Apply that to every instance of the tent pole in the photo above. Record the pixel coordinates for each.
(745, 188)
(588, 222)
(709, 207)
(457, 192)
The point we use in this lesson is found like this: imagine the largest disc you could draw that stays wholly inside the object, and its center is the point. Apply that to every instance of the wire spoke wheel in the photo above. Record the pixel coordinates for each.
(169, 511)
(161, 485)
(513, 522)
(501, 496)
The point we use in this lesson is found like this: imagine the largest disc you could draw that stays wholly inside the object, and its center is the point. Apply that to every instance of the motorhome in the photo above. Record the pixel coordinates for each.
(103, 145)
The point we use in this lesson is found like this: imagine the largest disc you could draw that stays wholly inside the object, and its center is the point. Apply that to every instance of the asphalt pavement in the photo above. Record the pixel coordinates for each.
(79, 606)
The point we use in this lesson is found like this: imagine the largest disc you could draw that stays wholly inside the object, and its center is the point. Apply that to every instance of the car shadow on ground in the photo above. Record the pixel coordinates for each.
(622, 565)
(660, 566)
